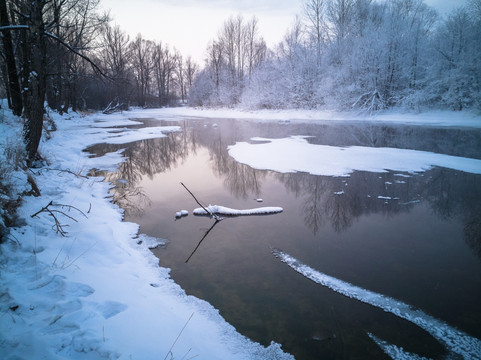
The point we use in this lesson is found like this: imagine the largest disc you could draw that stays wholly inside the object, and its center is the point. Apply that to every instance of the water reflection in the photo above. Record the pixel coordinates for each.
(394, 233)
(337, 201)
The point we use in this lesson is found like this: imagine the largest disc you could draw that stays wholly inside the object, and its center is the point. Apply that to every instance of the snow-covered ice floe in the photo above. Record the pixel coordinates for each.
(296, 154)
(130, 135)
(225, 211)
(454, 340)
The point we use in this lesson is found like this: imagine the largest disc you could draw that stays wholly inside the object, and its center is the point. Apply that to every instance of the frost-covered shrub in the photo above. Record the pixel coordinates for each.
(13, 179)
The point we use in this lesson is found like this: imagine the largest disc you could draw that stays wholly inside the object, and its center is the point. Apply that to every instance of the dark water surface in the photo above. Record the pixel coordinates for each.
(421, 246)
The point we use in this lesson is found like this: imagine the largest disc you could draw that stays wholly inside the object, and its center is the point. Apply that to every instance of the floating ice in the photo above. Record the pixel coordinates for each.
(453, 339)
(222, 210)
(295, 154)
(131, 135)
(395, 352)
(151, 242)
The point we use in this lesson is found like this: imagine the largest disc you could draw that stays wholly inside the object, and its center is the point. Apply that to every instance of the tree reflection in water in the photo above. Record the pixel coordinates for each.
(337, 201)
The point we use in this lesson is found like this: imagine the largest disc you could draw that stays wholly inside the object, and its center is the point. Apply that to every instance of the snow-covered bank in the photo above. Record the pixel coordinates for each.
(97, 292)
(440, 118)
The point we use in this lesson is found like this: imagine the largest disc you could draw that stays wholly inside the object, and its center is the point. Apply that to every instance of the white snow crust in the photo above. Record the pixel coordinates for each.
(225, 211)
(295, 154)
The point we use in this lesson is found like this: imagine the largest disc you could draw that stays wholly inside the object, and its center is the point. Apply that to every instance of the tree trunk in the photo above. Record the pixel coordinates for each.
(34, 108)
(13, 84)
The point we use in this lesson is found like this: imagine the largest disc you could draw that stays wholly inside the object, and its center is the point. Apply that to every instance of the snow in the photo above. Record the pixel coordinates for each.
(222, 210)
(181, 213)
(98, 292)
(131, 135)
(295, 154)
(395, 352)
(440, 118)
(455, 341)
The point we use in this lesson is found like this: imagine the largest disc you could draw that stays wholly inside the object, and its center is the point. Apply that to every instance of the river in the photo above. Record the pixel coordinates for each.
(414, 237)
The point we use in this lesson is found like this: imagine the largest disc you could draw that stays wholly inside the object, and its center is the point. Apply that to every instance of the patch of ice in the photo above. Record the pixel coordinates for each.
(131, 135)
(151, 242)
(395, 352)
(295, 154)
(453, 339)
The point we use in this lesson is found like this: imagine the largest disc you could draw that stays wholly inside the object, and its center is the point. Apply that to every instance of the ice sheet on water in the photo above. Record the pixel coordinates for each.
(151, 242)
(131, 135)
(453, 339)
(295, 154)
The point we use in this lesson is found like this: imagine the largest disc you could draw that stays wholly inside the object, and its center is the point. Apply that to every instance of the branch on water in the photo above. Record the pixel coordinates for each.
(202, 206)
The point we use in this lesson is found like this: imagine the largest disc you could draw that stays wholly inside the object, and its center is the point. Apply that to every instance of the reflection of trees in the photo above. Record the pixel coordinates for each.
(144, 158)
(338, 201)
(341, 200)
(241, 180)
(452, 194)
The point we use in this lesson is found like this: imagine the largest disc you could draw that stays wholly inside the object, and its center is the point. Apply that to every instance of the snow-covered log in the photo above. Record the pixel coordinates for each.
(225, 211)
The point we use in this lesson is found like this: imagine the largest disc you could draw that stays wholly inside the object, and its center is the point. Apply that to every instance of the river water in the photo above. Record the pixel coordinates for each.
(413, 237)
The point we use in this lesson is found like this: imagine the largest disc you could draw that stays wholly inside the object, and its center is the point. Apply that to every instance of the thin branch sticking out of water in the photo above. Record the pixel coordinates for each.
(217, 218)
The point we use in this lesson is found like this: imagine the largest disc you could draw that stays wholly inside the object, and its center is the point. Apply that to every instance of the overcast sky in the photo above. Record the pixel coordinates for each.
(189, 25)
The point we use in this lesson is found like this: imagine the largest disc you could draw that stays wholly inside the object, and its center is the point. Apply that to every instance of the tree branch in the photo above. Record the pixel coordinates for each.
(203, 207)
(63, 43)
(86, 58)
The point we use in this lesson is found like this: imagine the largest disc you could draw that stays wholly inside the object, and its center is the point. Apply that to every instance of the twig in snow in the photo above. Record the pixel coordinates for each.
(178, 336)
(59, 228)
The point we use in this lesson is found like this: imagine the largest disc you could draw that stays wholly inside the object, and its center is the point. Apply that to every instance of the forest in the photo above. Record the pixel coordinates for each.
(360, 55)
(349, 54)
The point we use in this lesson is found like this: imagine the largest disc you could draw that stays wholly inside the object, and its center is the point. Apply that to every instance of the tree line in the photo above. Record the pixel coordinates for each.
(67, 53)
(349, 54)
(340, 54)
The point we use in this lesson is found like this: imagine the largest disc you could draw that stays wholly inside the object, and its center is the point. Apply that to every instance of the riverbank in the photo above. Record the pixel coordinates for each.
(79, 283)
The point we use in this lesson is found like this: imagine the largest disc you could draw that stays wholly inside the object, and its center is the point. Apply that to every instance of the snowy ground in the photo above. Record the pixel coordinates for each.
(97, 292)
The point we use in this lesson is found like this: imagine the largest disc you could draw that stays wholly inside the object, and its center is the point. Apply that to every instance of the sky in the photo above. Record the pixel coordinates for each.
(189, 25)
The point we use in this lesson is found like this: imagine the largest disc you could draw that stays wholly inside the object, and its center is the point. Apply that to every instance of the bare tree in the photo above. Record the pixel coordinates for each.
(13, 88)
(314, 11)
(115, 58)
(142, 62)
(190, 70)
